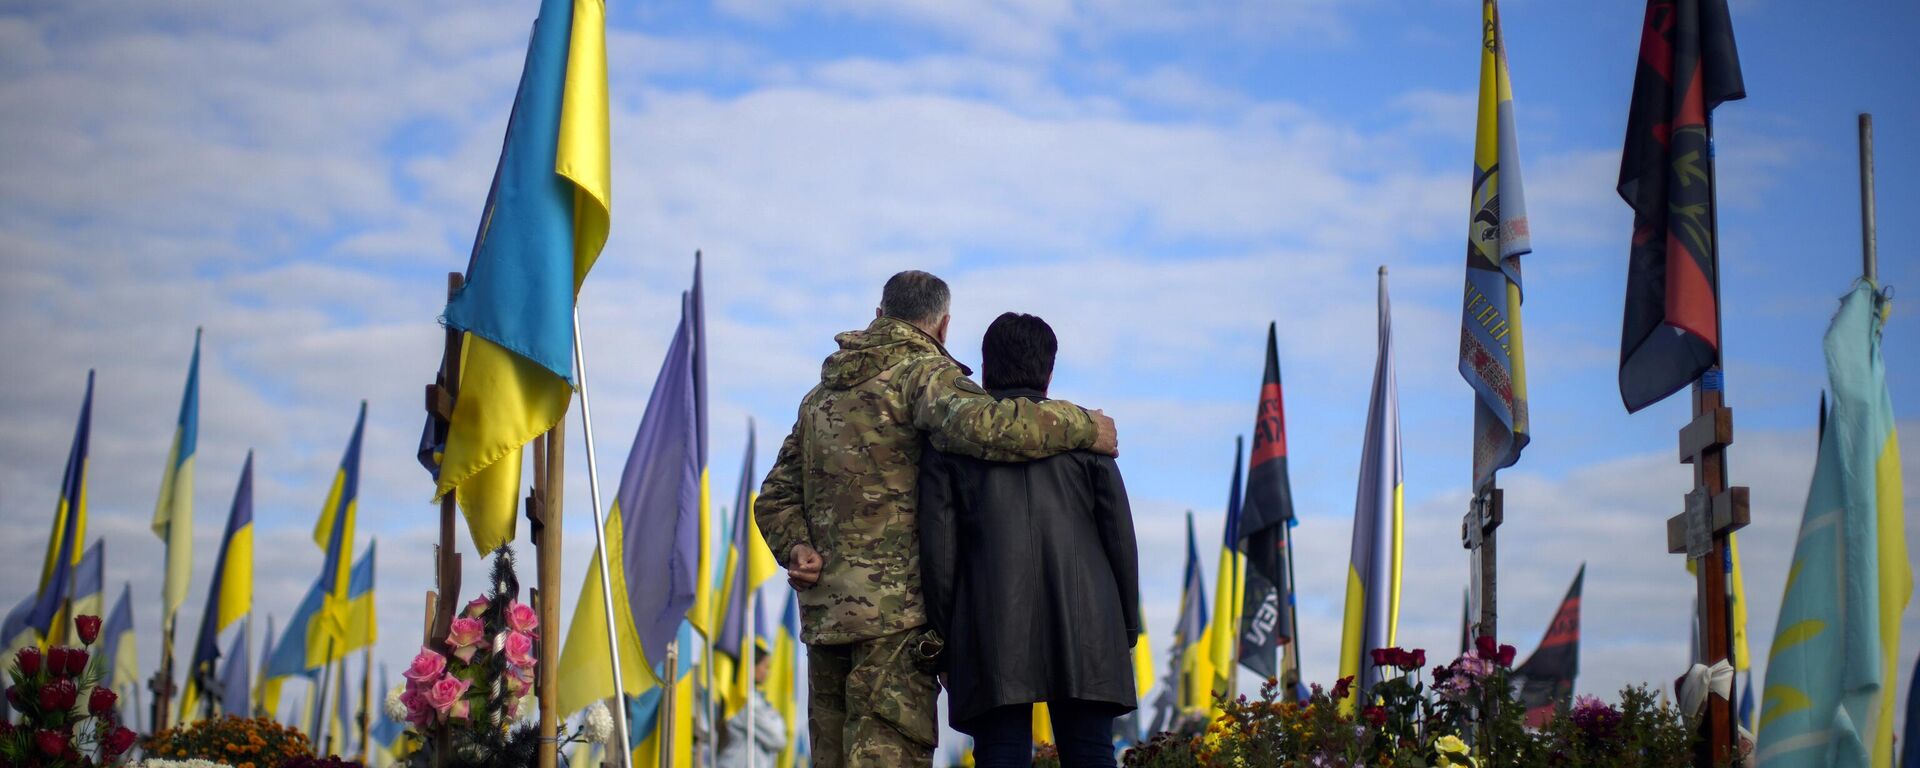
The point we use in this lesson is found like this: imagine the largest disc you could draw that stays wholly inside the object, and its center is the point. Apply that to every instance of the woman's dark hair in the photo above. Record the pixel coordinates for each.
(1017, 353)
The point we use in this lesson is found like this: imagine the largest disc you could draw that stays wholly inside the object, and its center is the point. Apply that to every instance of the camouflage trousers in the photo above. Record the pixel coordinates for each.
(871, 702)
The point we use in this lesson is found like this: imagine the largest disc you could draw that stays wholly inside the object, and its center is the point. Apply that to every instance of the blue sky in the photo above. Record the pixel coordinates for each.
(1157, 180)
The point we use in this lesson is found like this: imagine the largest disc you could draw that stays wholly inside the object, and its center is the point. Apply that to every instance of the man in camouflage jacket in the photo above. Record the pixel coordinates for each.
(838, 511)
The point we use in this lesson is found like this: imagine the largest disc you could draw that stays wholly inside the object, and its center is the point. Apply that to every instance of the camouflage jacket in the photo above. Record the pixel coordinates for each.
(846, 478)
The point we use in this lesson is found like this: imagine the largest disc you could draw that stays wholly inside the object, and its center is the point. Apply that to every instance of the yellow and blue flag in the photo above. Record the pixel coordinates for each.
(289, 656)
(229, 595)
(89, 588)
(701, 613)
(117, 645)
(647, 712)
(783, 677)
(49, 614)
(1191, 652)
(1831, 675)
(749, 564)
(363, 628)
(173, 513)
(384, 735)
(1492, 358)
(1373, 575)
(266, 695)
(1228, 591)
(653, 530)
(235, 689)
(543, 226)
(326, 632)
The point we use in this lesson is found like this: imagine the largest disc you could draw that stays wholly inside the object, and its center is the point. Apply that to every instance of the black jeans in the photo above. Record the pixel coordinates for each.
(1004, 735)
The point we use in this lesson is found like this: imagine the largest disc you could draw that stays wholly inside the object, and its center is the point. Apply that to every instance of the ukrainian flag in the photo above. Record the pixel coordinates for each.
(652, 532)
(384, 734)
(1191, 650)
(1229, 589)
(701, 614)
(117, 644)
(362, 627)
(234, 688)
(49, 613)
(326, 632)
(544, 223)
(749, 564)
(173, 514)
(89, 586)
(290, 655)
(1373, 577)
(646, 713)
(266, 695)
(229, 595)
(783, 678)
(1831, 672)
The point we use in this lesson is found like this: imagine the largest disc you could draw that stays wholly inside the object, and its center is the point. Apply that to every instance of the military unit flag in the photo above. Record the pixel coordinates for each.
(1266, 518)
(1688, 66)
(1546, 677)
(1832, 671)
(543, 225)
(1373, 575)
(1492, 357)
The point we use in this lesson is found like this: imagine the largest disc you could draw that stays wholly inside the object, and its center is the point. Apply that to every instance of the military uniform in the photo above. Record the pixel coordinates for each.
(845, 483)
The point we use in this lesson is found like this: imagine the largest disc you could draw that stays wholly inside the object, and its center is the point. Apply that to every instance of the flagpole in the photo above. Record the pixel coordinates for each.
(1869, 246)
(600, 541)
(747, 651)
(162, 682)
(320, 708)
(1293, 617)
(669, 700)
(366, 694)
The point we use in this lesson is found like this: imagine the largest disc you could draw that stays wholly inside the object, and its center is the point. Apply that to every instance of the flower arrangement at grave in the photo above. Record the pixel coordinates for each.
(66, 719)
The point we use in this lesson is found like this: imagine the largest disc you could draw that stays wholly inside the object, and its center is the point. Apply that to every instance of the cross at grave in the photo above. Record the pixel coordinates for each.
(1713, 511)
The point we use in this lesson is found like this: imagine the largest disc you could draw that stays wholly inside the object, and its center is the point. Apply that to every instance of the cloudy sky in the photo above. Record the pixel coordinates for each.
(1159, 180)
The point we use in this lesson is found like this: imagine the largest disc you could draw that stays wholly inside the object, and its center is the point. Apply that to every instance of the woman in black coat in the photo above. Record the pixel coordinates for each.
(1030, 574)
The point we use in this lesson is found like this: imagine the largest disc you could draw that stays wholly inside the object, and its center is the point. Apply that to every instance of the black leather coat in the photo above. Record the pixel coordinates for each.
(1031, 575)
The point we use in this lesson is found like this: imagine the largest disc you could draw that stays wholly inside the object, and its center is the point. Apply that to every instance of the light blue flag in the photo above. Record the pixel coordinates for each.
(1829, 694)
(235, 688)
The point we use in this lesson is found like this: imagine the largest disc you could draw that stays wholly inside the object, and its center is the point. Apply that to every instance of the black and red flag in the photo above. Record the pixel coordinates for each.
(1266, 616)
(1546, 679)
(1688, 66)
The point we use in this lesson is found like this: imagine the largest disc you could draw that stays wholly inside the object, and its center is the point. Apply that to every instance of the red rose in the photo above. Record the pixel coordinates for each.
(118, 742)
(1505, 656)
(29, 661)
(1343, 687)
(89, 627)
(1487, 646)
(14, 700)
(101, 701)
(1376, 714)
(50, 743)
(56, 661)
(76, 661)
(1417, 659)
(1381, 656)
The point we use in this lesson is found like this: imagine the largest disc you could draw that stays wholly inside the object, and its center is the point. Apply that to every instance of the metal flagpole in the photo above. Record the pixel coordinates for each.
(1869, 247)
(669, 702)
(600, 541)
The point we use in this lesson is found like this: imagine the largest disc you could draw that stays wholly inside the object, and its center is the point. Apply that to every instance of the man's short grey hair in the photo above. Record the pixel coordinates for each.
(915, 296)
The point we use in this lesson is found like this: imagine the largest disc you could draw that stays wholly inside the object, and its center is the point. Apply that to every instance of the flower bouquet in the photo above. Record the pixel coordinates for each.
(67, 719)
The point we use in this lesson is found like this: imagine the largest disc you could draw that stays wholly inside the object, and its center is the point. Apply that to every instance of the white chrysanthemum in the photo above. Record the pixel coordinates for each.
(598, 727)
(396, 711)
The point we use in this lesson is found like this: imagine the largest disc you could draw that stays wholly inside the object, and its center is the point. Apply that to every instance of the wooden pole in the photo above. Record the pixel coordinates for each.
(669, 703)
(365, 720)
(620, 756)
(320, 708)
(1291, 677)
(547, 534)
(162, 682)
(1869, 245)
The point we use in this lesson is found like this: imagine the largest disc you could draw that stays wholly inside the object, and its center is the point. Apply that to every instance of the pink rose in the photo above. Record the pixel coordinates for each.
(426, 667)
(466, 637)
(418, 713)
(476, 607)
(445, 692)
(519, 649)
(522, 617)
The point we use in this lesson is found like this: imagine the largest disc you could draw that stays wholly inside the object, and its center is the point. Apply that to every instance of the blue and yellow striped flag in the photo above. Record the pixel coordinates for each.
(652, 533)
(117, 644)
(326, 631)
(363, 626)
(229, 595)
(1373, 575)
(1492, 358)
(783, 677)
(173, 513)
(1229, 590)
(1831, 674)
(88, 594)
(647, 712)
(749, 564)
(1191, 652)
(266, 693)
(544, 223)
(49, 614)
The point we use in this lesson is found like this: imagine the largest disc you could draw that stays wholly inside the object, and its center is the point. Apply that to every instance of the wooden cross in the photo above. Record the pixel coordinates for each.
(1713, 511)
(1477, 533)
(439, 404)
